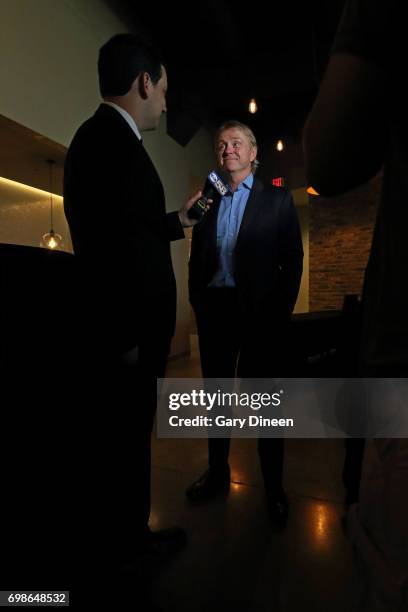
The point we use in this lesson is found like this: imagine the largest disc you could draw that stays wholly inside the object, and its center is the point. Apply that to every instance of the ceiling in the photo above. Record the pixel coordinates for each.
(221, 53)
(218, 54)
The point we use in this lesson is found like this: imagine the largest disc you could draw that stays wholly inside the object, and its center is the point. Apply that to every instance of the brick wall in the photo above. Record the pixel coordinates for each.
(339, 240)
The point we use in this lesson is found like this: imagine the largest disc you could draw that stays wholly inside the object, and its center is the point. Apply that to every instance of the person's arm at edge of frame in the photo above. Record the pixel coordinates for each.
(344, 135)
(290, 254)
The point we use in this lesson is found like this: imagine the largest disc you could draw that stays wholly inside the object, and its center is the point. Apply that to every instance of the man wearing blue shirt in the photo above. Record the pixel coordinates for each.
(245, 271)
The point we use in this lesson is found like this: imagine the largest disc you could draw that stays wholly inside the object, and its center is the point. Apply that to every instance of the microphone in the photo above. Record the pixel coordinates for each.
(212, 186)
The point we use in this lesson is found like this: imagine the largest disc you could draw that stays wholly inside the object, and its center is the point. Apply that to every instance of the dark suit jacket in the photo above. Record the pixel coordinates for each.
(115, 206)
(268, 254)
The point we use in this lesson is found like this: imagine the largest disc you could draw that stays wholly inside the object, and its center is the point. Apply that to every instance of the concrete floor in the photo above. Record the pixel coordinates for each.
(236, 559)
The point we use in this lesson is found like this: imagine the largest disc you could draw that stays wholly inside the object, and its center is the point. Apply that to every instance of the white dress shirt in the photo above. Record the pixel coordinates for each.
(126, 117)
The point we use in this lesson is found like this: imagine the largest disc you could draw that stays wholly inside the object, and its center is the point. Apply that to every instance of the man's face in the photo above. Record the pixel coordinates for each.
(235, 153)
(157, 100)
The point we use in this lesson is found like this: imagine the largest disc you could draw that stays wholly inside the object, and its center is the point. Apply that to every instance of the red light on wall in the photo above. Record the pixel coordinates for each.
(278, 181)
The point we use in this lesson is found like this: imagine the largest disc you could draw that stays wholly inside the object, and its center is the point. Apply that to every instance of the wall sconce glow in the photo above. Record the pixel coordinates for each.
(32, 192)
(252, 106)
(312, 191)
(279, 145)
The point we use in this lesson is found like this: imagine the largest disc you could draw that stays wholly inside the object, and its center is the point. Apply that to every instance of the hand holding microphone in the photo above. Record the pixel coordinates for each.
(198, 204)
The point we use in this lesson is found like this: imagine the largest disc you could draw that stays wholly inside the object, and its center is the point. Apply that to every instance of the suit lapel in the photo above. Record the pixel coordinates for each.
(211, 230)
(251, 211)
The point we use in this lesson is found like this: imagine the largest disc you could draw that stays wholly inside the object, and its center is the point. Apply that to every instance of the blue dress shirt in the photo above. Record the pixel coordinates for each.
(231, 211)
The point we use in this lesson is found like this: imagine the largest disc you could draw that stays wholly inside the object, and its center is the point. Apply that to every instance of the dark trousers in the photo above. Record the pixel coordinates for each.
(233, 344)
(352, 468)
(135, 391)
(113, 479)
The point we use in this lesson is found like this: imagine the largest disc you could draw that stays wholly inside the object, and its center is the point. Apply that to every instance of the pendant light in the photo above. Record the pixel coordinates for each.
(253, 107)
(51, 240)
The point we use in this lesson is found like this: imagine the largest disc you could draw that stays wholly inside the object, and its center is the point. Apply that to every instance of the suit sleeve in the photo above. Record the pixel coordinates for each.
(193, 266)
(345, 135)
(290, 256)
(174, 228)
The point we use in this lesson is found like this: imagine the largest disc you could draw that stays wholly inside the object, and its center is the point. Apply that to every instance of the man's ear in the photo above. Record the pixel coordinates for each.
(144, 83)
(254, 153)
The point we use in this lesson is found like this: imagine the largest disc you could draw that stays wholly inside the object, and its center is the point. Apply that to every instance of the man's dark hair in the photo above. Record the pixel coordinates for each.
(122, 59)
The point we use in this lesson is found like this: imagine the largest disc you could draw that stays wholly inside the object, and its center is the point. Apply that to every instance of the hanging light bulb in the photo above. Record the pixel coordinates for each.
(279, 145)
(252, 106)
(51, 240)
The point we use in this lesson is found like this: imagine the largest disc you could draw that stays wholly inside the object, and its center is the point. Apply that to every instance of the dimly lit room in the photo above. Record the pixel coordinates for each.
(199, 199)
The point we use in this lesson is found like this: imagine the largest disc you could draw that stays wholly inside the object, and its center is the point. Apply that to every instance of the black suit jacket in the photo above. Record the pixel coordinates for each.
(115, 206)
(268, 255)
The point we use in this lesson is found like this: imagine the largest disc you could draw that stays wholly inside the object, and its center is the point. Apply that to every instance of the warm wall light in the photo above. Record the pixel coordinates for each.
(51, 240)
(312, 191)
(27, 191)
(279, 145)
(252, 106)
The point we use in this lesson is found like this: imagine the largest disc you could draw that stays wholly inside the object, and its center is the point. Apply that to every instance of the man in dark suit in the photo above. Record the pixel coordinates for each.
(245, 272)
(115, 206)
